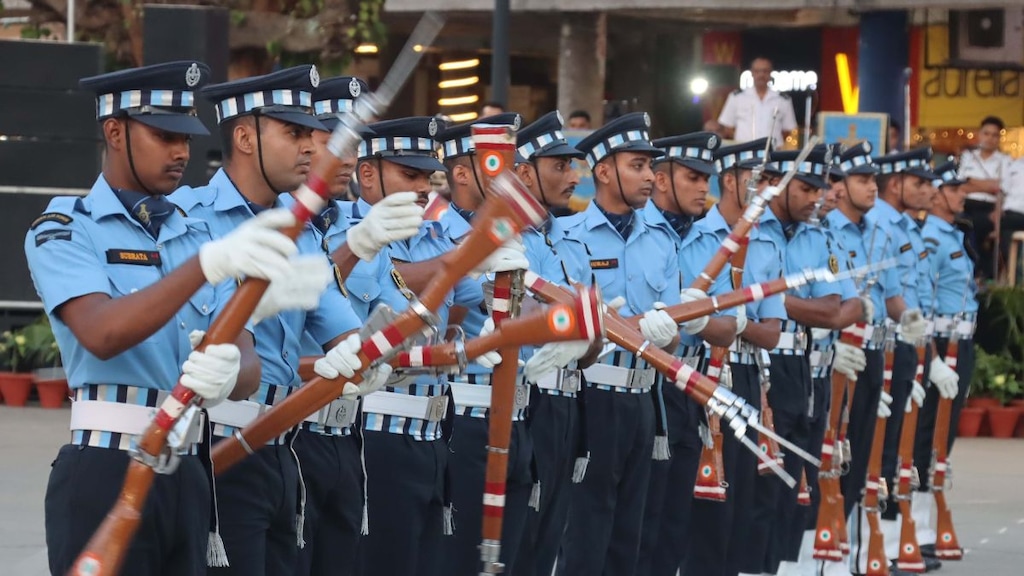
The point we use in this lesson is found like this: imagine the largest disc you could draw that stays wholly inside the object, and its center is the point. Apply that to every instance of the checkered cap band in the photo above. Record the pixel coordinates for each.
(332, 106)
(540, 143)
(245, 103)
(803, 168)
(458, 147)
(110, 104)
(726, 162)
(901, 165)
(947, 176)
(603, 149)
(702, 154)
(374, 146)
(855, 162)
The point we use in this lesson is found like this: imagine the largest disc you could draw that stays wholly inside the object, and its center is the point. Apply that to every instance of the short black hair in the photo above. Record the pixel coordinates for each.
(765, 58)
(895, 124)
(451, 163)
(580, 114)
(493, 104)
(227, 137)
(995, 121)
(883, 180)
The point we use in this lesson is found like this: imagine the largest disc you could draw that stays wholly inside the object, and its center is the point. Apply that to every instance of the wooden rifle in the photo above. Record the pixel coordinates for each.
(104, 553)
(947, 546)
(711, 484)
(875, 489)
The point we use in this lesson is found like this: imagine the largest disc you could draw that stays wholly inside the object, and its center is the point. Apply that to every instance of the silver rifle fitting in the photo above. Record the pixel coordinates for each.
(490, 552)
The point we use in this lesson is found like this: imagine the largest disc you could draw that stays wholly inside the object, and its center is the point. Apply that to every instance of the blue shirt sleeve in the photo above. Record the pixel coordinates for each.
(64, 264)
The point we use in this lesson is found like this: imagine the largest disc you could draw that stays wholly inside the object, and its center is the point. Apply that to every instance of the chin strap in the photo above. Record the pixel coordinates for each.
(131, 158)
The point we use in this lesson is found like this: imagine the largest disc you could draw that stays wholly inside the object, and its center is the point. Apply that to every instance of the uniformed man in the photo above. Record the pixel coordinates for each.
(952, 258)
(680, 195)
(409, 512)
(985, 171)
(901, 197)
(327, 449)
(266, 124)
(633, 259)
(471, 389)
(544, 164)
(124, 288)
(720, 532)
(747, 114)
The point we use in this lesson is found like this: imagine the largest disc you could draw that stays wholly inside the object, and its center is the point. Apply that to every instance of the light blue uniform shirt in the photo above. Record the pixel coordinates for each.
(278, 339)
(694, 252)
(900, 245)
(643, 269)
(954, 268)
(84, 254)
(857, 241)
(806, 249)
(922, 279)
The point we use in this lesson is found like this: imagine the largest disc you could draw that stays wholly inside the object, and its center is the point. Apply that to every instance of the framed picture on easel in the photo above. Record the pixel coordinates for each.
(850, 129)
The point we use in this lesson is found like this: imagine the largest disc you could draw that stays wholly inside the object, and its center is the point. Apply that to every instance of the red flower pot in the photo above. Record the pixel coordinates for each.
(15, 387)
(1003, 421)
(52, 393)
(982, 402)
(970, 421)
(1017, 403)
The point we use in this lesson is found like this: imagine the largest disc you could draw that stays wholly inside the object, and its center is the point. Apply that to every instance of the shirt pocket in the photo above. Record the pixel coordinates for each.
(127, 279)
(204, 302)
(363, 287)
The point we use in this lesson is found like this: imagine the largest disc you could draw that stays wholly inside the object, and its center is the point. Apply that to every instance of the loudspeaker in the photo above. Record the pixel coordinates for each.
(192, 33)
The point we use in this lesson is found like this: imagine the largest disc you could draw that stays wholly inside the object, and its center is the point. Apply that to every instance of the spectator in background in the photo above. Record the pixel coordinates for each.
(986, 171)
(895, 143)
(747, 114)
(491, 108)
(579, 120)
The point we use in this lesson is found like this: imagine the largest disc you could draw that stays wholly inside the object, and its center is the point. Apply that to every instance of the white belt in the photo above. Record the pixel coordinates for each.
(948, 325)
(236, 413)
(792, 341)
(341, 413)
(620, 377)
(821, 359)
(742, 346)
(874, 336)
(566, 380)
(430, 408)
(131, 419)
(479, 395)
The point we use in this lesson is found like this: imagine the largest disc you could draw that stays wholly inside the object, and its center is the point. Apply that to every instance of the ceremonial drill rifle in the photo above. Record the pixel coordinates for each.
(875, 492)
(910, 558)
(155, 451)
(495, 149)
(947, 546)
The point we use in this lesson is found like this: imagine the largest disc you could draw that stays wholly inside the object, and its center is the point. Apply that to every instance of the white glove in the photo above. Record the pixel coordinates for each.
(694, 326)
(300, 289)
(509, 256)
(658, 327)
(211, 374)
(395, 217)
(917, 394)
(820, 333)
(884, 409)
(373, 380)
(869, 308)
(553, 356)
(342, 360)
(492, 358)
(849, 360)
(256, 248)
(741, 319)
(615, 304)
(946, 379)
(912, 325)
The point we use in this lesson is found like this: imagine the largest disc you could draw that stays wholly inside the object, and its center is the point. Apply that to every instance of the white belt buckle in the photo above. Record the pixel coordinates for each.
(341, 413)
(569, 380)
(437, 408)
(187, 429)
(641, 378)
(522, 397)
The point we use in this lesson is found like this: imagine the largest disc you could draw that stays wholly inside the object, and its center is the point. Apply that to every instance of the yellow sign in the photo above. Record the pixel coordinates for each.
(962, 97)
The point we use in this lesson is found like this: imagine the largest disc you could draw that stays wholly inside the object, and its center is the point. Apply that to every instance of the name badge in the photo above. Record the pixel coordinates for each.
(957, 254)
(905, 248)
(606, 264)
(922, 255)
(135, 257)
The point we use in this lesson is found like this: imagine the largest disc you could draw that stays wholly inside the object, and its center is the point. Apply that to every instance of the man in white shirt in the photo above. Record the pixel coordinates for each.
(747, 114)
(986, 171)
(1013, 203)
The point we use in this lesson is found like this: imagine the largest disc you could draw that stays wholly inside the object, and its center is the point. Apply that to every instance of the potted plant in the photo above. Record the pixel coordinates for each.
(44, 356)
(15, 384)
(1003, 419)
(986, 367)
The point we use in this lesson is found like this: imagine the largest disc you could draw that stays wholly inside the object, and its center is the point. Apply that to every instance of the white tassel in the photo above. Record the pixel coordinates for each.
(216, 555)
(579, 468)
(300, 517)
(535, 496)
(364, 528)
(300, 522)
(661, 451)
(448, 520)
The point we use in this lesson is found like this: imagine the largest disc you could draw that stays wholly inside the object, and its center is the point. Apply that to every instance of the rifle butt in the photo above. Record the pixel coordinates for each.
(803, 496)
(947, 546)
(711, 484)
(878, 564)
(910, 559)
(827, 539)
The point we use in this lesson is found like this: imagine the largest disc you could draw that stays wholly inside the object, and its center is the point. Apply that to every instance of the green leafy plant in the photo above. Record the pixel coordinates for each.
(995, 375)
(13, 350)
(29, 347)
(1007, 305)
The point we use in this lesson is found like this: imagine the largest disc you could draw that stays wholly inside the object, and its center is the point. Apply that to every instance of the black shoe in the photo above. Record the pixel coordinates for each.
(932, 564)
(928, 551)
(894, 571)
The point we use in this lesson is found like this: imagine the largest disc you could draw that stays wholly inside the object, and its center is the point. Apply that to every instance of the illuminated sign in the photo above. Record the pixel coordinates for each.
(785, 80)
